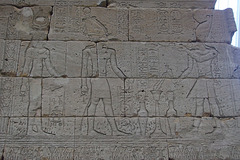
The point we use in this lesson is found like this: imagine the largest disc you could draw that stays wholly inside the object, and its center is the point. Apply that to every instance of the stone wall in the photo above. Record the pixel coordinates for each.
(118, 80)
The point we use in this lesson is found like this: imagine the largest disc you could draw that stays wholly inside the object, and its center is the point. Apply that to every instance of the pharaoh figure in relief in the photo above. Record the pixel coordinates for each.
(203, 91)
(99, 88)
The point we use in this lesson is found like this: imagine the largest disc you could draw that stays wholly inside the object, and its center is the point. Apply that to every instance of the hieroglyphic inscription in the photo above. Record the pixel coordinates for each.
(181, 25)
(78, 23)
(79, 96)
(114, 59)
(163, 3)
(173, 60)
(21, 3)
(162, 25)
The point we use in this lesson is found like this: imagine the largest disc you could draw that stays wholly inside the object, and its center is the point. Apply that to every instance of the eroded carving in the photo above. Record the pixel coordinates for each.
(80, 23)
(178, 25)
(26, 23)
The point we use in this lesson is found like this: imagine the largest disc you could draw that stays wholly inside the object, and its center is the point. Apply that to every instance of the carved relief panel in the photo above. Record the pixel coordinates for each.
(176, 25)
(78, 23)
(26, 23)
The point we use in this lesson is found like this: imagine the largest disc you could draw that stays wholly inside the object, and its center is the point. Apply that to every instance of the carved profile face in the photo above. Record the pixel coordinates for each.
(87, 12)
(104, 48)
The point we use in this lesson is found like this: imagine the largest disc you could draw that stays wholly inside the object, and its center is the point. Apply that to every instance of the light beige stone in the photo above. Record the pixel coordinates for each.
(169, 91)
(77, 23)
(51, 59)
(172, 60)
(20, 97)
(186, 97)
(187, 150)
(43, 151)
(82, 97)
(9, 56)
(119, 59)
(163, 3)
(101, 3)
(26, 23)
(181, 25)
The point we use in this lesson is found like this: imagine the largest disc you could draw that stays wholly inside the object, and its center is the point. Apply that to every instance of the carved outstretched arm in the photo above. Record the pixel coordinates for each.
(189, 69)
(28, 65)
(201, 58)
(102, 26)
(115, 68)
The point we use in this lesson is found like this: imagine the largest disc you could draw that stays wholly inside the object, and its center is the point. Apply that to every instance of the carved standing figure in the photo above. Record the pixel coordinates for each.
(201, 58)
(99, 87)
(203, 90)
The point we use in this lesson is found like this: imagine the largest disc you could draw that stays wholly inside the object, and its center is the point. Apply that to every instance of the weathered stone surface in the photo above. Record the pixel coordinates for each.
(52, 59)
(172, 60)
(26, 23)
(181, 25)
(182, 150)
(163, 3)
(118, 59)
(54, 2)
(220, 130)
(166, 92)
(198, 151)
(77, 23)
(181, 97)
(20, 97)
(82, 97)
(9, 56)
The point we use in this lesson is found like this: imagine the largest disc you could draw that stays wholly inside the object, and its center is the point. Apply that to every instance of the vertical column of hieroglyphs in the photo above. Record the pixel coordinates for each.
(118, 79)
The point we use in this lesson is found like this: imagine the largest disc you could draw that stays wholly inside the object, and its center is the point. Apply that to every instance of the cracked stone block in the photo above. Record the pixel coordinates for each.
(20, 3)
(167, 60)
(19, 96)
(77, 23)
(181, 25)
(193, 4)
(26, 23)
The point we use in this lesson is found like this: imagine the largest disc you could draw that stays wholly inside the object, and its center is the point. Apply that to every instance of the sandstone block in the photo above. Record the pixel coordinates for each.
(123, 150)
(20, 97)
(189, 151)
(52, 59)
(43, 151)
(9, 56)
(181, 97)
(21, 3)
(26, 23)
(77, 23)
(171, 60)
(181, 25)
(119, 59)
(82, 97)
(203, 4)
